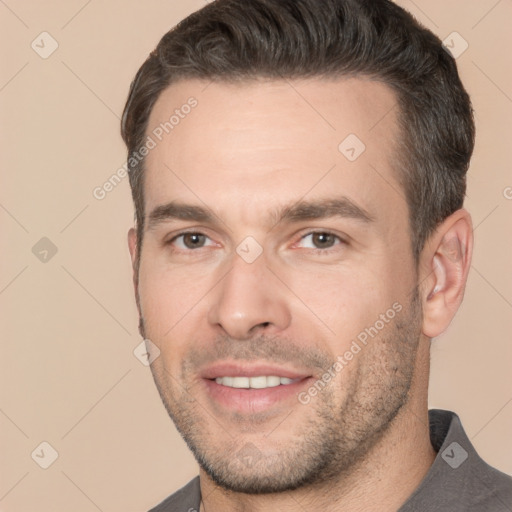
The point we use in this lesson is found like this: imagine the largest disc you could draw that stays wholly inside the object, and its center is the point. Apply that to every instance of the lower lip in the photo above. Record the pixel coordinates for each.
(253, 400)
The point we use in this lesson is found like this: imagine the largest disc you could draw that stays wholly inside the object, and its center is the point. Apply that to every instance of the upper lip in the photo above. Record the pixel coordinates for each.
(227, 369)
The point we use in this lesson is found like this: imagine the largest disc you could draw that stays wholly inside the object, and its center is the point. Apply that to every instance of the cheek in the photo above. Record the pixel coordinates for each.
(169, 300)
(343, 302)
(342, 298)
(167, 311)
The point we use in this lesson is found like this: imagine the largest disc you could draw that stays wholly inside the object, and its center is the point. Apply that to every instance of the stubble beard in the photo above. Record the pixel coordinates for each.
(338, 434)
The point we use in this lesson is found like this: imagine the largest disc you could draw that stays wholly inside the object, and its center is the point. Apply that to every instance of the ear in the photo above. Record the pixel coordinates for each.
(444, 266)
(132, 247)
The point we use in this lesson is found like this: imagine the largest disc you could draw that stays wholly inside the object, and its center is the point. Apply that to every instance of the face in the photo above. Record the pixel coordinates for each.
(276, 276)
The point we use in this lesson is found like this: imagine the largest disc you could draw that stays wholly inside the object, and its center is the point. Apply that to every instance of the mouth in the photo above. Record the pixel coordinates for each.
(259, 382)
(252, 388)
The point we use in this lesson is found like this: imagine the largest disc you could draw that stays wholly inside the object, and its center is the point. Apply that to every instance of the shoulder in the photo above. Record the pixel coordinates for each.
(186, 499)
(459, 480)
(494, 487)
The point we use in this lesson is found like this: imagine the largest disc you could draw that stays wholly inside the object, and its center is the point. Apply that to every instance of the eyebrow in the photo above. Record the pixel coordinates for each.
(179, 211)
(324, 208)
(294, 213)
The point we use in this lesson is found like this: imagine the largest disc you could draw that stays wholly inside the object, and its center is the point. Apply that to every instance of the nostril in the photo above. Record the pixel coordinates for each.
(258, 327)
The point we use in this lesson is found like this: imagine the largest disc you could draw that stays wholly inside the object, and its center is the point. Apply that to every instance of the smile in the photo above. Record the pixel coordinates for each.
(259, 382)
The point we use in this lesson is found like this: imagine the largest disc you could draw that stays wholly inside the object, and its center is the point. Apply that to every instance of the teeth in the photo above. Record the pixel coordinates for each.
(260, 382)
(240, 382)
(273, 381)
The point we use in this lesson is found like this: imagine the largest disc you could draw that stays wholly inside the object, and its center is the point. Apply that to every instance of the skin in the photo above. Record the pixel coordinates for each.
(247, 152)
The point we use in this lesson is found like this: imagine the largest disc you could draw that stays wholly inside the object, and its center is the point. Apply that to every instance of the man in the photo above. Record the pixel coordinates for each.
(298, 173)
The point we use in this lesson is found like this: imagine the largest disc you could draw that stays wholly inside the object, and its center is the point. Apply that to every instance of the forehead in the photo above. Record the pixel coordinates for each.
(253, 145)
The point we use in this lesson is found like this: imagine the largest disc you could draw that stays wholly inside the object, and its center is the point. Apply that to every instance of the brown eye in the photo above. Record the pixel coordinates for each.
(188, 241)
(193, 240)
(323, 240)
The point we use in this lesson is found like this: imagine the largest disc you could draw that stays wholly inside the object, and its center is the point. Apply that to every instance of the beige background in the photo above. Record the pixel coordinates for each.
(69, 325)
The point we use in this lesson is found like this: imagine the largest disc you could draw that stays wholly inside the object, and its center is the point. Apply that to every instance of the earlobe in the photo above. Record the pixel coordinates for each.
(446, 260)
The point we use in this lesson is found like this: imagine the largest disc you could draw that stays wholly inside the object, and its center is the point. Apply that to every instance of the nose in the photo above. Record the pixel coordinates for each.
(249, 299)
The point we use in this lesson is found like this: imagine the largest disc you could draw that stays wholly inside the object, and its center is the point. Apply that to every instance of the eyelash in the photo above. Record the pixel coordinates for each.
(339, 240)
(184, 233)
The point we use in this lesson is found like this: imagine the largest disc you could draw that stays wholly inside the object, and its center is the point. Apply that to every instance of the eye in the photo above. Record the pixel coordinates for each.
(188, 241)
(319, 240)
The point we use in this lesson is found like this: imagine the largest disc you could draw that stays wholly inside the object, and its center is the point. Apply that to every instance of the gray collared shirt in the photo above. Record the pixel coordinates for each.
(458, 481)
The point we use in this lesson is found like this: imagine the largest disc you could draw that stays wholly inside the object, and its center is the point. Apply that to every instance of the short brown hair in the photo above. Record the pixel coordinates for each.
(236, 40)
